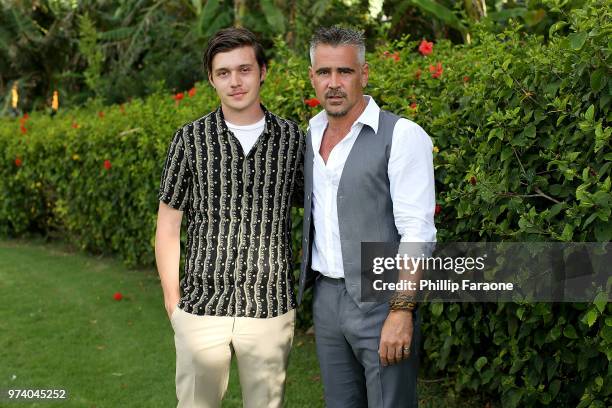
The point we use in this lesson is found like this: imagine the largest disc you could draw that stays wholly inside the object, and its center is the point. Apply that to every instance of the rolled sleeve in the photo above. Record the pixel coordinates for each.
(412, 184)
(176, 178)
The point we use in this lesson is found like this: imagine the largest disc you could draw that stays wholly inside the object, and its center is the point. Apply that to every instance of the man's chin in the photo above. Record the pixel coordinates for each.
(336, 113)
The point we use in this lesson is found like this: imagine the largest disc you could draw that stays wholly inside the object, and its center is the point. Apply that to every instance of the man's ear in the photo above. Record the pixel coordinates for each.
(210, 80)
(263, 73)
(311, 76)
(365, 74)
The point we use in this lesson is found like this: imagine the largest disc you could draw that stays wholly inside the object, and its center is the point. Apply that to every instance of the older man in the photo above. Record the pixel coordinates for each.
(368, 178)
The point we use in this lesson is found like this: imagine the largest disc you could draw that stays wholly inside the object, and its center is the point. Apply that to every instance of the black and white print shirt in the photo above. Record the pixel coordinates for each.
(239, 256)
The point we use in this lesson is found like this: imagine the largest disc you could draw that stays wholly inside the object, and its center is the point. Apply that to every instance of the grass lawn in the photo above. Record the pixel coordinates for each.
(62, 329)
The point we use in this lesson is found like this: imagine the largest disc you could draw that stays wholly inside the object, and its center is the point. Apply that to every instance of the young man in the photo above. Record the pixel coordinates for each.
(235, 172)
(368, 177)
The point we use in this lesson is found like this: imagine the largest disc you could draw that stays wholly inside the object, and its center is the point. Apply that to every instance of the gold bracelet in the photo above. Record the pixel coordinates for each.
(401, 301)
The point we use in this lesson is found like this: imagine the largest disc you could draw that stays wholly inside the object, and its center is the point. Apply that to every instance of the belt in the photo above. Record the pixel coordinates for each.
(333, 281)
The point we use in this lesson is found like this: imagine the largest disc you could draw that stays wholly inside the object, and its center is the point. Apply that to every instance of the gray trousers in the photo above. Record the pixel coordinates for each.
(347, 347)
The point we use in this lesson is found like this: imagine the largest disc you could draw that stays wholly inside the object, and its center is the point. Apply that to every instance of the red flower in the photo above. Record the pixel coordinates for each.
(425, 48)
(312, 102)
(191, 92)
(438, 209)
(179, 96)
(418, 74)
(413, 105)
(26, 116)
(122, 108)
(23, 129)
(18, 161)
(107, 164)
(101, 114)
(466, 78)
(75, 125)
(117, 296)
(436, 71)
(473, 180)
(395, 55)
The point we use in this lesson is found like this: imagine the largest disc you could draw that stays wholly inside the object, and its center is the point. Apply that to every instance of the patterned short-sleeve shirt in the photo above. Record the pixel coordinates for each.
(239, 258)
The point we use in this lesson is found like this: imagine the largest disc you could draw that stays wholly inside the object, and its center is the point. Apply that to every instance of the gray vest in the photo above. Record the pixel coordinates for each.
(365, 209)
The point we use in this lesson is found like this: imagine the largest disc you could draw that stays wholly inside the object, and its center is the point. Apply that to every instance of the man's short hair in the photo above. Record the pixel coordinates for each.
(229, 39)
(337, 36)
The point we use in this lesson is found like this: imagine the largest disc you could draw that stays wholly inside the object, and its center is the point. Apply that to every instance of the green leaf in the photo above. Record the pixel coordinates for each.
(577, 40)
(554, 334)
(511, 398)
(606, 333)
(554, 388)
(598, 80)
(555, 27)
(437, 308)
(507, 14)
(570, 332)
(590, 113)
(440, 12)
(274, 16)
(591, 317)
(480, 363)
(600, 301)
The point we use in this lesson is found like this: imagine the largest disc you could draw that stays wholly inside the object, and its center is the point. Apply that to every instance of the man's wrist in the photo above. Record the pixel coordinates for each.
(402, 301)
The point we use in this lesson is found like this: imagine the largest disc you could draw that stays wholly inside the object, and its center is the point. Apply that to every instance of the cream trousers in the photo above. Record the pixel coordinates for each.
(204, 346)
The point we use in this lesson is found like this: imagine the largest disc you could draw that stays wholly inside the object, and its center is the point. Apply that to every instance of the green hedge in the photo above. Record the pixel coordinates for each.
(523, 154)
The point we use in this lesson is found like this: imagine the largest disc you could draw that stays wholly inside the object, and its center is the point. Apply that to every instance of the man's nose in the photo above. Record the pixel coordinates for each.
(334, 80)
(235, 79)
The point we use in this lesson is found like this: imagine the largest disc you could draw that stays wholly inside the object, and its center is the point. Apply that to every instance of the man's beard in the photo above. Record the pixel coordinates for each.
(336, 94)
(337, 114)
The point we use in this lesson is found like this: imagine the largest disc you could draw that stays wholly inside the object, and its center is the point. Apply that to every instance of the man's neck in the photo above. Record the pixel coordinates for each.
(245, 117)
(343, 123)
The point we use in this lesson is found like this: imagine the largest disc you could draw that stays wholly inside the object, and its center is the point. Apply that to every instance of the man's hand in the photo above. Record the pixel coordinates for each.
(170, 306)
(396, 337)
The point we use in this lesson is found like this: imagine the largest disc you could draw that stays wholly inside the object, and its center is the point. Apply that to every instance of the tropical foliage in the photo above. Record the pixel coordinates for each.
(121, 49)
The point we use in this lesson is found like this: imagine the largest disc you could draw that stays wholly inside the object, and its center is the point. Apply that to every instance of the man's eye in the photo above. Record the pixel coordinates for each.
(246, 69)
(222, 74)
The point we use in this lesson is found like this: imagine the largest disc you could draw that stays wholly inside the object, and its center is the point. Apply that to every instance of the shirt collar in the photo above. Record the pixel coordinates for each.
(369, 116)
(221, 119)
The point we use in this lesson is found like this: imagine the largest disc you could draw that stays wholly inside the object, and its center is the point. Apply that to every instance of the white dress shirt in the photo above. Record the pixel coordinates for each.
(411, 178)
